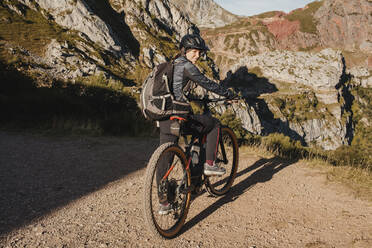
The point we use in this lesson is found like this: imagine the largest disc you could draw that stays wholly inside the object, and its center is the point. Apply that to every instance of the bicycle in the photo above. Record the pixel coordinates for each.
(185, 175)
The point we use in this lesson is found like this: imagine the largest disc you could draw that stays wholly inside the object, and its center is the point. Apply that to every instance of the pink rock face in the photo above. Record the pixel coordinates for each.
(344, 24)
(340, 24)
(281, 29)
(288, 36)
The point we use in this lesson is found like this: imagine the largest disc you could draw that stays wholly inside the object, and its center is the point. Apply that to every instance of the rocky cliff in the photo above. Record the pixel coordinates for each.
(345, 25)
(206, 13)
(305, 96)
(116, 38)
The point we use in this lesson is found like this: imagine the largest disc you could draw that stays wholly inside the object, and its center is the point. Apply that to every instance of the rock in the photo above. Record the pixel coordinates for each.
(148, 56)
(168, 17)
(288, 35)
(361, 76)
(19, 9)
(320, 71)
(152, 29)
(61, 59)
(342, 24)
(366, 46)
(76, 15)
(206, 13)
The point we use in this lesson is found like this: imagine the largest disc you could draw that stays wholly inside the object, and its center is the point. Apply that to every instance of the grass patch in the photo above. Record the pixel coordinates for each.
(357, 179)
(32, 32)
(362, 118)
(281, 145)
(306, 17)
(300, 107)
(268, 14)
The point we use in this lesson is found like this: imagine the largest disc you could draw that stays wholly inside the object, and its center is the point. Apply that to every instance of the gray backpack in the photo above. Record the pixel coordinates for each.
(157, 99)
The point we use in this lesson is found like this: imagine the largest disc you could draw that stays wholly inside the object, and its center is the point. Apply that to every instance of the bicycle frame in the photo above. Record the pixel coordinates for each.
(185, 175)
(202, 139)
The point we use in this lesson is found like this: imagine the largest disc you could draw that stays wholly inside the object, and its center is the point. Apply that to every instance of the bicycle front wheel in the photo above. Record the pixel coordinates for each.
(167, 180)
(227, 157)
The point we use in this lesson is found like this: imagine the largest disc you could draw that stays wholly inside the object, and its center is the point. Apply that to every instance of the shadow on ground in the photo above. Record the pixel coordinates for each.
(40, 174)
(265, 169)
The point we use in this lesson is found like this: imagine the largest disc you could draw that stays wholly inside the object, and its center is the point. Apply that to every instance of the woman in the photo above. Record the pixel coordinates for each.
(191, 48)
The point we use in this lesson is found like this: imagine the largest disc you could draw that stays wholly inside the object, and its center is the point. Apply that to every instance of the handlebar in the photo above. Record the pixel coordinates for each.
(207, 100)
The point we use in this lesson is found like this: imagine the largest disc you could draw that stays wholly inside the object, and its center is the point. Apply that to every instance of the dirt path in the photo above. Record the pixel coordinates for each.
(86, 192)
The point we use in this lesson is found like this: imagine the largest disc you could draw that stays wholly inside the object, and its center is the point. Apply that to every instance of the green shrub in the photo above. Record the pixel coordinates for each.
(229, 119)
(300, 107)
(282, 145)
(252, 140)
(351, 156)
(361, 146)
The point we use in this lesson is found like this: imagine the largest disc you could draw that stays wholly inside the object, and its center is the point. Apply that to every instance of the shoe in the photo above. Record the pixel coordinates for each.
(213, 170)
(164, 209)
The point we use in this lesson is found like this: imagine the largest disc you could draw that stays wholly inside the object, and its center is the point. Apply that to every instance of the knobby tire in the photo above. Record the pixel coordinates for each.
(149, 211)
(217, 186)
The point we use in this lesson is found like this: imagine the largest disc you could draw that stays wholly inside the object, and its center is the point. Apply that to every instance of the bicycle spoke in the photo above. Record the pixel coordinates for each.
(226, 158)
(174, 177)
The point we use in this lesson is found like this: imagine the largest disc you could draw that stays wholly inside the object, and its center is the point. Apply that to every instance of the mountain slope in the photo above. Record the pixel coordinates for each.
(321, 24)
(77, 65)
(293, 84)
(113, 37)
(206, 13)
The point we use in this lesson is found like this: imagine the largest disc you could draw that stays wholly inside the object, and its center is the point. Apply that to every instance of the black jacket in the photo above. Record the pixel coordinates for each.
(185, 71)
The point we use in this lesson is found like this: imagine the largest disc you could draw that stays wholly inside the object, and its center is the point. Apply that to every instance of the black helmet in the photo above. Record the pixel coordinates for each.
(193, 41)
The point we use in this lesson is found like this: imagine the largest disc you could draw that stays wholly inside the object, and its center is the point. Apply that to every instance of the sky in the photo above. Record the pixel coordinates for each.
(254, 7)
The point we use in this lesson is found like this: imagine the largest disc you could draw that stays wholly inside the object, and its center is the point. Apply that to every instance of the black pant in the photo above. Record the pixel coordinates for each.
(204, 124)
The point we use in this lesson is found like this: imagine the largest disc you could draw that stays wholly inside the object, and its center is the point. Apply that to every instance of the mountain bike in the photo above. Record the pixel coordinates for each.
(184, 176)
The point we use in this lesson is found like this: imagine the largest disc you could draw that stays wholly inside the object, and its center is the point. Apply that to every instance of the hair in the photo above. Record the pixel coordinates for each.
(183, 51)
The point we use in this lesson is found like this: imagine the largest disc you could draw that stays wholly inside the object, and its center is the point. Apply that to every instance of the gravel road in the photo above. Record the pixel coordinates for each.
(87, 192)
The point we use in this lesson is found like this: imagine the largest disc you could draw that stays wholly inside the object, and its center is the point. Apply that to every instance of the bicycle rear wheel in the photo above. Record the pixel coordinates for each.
(215, 185)
(172, 186)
